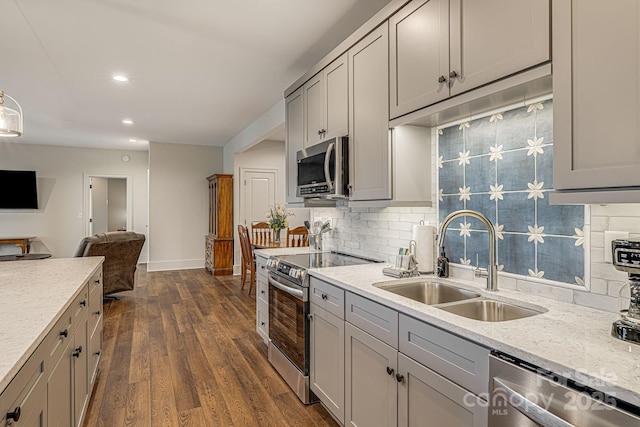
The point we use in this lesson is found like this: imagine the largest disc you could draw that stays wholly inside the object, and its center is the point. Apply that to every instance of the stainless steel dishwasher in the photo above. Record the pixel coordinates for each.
(524, 395)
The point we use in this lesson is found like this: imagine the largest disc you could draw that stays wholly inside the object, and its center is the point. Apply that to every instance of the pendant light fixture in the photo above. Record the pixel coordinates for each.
(10, 118)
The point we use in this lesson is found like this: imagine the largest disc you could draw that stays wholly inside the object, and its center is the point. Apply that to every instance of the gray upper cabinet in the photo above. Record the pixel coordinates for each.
(596, 126)
(294, 124)
(326, 103)
(442, 48)
(369, 141)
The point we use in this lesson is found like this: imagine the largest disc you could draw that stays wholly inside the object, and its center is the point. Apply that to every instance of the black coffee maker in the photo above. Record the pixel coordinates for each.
(626, 257)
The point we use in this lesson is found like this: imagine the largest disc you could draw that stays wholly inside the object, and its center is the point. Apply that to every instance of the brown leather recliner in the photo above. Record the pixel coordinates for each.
(121, 250)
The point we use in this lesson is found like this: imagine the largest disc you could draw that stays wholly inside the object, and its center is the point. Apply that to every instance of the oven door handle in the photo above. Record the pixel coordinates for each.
(298, 293)
(327, 163)
(530, 409)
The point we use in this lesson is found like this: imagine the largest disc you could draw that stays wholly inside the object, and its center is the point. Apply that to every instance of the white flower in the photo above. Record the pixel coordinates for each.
(579, 236)
(500, 267)
(579, 281)
(440, 132)
(496, 153)
(440, 163)
(535, 106)
(463, 125)
(535, 146)
(499, 230)
(463, 158)
(536, 234)
(464, 193)
(495, 118)
(535, 273)
(440, 193)
(535, 190)
(465, 261)
(465, 229)
(496, 192)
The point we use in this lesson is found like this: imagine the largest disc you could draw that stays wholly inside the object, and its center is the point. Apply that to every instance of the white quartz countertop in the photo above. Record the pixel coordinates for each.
(570, 340)
(34, 296)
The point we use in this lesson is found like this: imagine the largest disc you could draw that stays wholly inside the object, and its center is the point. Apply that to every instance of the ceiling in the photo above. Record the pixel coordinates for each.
(200, 70)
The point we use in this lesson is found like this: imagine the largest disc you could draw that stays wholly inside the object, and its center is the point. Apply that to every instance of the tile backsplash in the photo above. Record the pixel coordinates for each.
(379, 232)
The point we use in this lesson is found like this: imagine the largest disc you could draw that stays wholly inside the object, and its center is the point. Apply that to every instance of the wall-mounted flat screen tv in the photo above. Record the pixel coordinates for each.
(18, 190)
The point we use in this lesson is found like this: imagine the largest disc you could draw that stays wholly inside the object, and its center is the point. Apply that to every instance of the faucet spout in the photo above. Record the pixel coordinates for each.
(492, 268)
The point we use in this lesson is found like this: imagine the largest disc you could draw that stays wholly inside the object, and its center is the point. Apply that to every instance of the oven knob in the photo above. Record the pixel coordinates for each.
(296, 273)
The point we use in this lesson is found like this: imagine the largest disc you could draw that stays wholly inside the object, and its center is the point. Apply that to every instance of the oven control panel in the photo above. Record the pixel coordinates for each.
(626, 255)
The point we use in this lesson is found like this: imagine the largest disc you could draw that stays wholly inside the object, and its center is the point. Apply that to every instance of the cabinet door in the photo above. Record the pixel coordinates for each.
(425, 395)
(419, 55)
(327, 359)
(596, 86)
(80, 372)
(314, 130)
(370, 391)
(492, 39)
(336, 97)
(59, 389)
(369, 141)
(294, 109)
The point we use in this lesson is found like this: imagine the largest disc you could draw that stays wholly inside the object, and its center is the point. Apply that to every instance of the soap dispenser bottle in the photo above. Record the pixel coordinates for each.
(443, 264)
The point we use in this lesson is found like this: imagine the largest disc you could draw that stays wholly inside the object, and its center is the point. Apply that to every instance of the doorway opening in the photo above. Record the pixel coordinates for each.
(107, 204)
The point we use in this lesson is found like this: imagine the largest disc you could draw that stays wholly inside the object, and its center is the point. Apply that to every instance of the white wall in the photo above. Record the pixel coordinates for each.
(179, 204)
(59, 223)
(265, 155)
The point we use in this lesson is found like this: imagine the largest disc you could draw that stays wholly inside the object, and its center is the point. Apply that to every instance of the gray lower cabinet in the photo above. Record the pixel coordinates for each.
(327, 359)
(428, 399)
(262, 299)
(54, 386)
(370, 382)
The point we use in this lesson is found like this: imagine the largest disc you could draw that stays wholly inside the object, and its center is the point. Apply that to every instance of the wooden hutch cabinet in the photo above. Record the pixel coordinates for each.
(219, 241)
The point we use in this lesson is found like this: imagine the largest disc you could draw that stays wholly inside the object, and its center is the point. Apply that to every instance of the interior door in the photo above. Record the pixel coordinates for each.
(258, 192)
(99, 215)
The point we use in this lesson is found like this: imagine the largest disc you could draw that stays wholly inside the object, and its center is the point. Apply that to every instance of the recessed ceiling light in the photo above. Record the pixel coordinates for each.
(127, 121)
(133, 140)
(120, 78)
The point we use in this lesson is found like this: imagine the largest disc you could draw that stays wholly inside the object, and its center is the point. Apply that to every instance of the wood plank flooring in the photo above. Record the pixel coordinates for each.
(181, 350)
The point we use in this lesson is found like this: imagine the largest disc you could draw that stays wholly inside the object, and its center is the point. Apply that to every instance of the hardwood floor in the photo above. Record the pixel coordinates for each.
(181, 350)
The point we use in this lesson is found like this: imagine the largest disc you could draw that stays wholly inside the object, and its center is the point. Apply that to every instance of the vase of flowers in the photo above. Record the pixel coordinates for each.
(277, 219)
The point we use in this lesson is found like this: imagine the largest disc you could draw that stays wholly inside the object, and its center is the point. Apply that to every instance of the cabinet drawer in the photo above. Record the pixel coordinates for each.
(463, 362)
(261, 269)
(262, 289)
(95, 314)
(79, 307)
(95, 351)
(27, 391)
(262, 320)
(327, 296)
(56, 340)
(95, 287)
(374, 318)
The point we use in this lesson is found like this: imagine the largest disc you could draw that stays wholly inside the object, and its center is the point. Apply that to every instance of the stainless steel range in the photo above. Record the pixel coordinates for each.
(289, 310)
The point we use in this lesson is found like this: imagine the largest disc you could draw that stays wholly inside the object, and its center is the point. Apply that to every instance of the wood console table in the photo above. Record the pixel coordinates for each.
(23, 242)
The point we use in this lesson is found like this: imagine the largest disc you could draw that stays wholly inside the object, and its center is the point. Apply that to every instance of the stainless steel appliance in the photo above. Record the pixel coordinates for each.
(323, 169)
(626, 257)
(288, 311)
(523, 395)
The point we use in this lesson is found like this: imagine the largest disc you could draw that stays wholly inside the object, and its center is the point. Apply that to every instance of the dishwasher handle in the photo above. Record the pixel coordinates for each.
(530, 409)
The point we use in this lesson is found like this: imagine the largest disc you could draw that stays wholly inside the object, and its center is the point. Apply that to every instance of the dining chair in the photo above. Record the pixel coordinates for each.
(298, 237)
(248, 261)
(261, 234)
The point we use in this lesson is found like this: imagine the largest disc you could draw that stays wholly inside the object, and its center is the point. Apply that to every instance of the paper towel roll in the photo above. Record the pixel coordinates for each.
(424, 235)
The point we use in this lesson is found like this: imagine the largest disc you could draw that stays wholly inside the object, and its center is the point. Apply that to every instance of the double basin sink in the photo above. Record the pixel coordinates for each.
(458, 301)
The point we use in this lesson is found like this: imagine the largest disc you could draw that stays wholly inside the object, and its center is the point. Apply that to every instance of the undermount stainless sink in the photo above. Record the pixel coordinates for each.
(430, 293)
(489, 310)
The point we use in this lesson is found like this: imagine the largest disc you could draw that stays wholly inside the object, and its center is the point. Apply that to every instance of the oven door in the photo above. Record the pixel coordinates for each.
(288, 326)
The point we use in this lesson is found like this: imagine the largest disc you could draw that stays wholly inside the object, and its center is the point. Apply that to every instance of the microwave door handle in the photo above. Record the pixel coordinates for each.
(298, 293)
(327, 161)
(530, 409)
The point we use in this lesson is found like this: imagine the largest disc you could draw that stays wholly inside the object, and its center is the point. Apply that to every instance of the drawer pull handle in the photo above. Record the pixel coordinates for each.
(15, 415)
(97, 353)
(399, 377)
(310, 316)
(262, 292)
(97, 281)
(389, 370)
(262, 323)
(324, 296)
(97, 313)
(83, 303)
(77, 351)
(442, 79)
(64, 333)
(453, 74)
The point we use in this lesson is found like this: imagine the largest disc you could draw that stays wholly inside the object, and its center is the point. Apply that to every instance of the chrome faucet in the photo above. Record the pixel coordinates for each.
(492, 268)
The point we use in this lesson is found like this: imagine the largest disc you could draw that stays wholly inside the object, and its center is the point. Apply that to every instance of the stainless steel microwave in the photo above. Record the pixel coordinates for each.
(323, 169)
